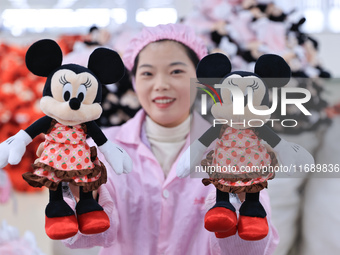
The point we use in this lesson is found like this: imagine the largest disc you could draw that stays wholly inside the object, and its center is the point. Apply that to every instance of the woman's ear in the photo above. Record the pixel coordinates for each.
(212, 68)
(107, 65)
(273, 69)
(43, 57)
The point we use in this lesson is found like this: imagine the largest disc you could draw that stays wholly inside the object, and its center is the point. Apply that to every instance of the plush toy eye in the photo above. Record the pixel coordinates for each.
(67, 91)
(81, 93)
(254, 86)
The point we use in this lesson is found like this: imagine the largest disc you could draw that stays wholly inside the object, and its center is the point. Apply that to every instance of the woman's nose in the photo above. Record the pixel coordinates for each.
(161, 84)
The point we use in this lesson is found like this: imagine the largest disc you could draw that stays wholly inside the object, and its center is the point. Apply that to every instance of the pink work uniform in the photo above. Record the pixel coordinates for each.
(151, 214)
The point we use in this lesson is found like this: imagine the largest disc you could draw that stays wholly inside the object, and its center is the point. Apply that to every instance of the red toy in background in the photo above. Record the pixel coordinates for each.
(20, 93)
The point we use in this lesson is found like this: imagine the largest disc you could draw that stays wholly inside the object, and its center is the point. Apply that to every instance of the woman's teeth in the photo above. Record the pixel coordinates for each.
(164, 101)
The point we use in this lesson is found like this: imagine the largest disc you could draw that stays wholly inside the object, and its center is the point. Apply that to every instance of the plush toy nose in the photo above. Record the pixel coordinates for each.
(74, 103)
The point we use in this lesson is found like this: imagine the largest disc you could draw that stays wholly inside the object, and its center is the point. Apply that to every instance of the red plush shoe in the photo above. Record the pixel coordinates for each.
(231, 232)
(93, 222)
(58, 228)
(220, 219)
(252, 228)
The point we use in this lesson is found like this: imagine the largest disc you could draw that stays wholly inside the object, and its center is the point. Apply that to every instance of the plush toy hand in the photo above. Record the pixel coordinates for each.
(12, 150)
(118, 159)
(190, 159)
(293, 155)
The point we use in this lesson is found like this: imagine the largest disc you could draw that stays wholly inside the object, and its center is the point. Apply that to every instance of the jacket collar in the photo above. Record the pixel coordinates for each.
(130, 132)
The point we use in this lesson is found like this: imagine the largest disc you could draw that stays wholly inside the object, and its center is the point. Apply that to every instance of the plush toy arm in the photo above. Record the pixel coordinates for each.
(42, 125)
(118, 159)
(268, 135)
(210, 135)
(12, 150)
(96, 133)
(193, 155)
(289, 154)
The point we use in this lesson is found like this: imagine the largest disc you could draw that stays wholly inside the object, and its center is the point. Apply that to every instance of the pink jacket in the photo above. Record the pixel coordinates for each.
(153, 215)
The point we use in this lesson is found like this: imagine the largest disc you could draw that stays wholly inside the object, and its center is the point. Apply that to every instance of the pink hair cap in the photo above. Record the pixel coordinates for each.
(176, 32)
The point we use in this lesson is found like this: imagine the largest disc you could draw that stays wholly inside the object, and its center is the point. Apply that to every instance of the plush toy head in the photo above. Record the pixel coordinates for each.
(270, 71)
(72, 93)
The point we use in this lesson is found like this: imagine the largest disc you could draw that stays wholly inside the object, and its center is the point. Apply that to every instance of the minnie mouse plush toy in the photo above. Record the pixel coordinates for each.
(71, 101)
(245, 163)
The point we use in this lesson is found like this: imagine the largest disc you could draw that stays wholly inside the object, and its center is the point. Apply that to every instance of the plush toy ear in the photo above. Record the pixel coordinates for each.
(273, 66)
(43, 57)
(107, 65)
(214, 66)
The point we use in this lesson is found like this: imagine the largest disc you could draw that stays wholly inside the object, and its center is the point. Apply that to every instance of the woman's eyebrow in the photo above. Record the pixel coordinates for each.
(145, 65)
(177, 63)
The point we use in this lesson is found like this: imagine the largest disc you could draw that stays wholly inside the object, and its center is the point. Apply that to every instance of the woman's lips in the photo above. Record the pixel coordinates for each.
(163, 102)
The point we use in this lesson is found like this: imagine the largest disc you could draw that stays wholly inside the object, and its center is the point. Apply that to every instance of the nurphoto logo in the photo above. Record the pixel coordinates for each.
(240, 99)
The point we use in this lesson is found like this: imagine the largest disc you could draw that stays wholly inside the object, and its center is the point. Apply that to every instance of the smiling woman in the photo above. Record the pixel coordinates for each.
(152, 198)
(163, 83)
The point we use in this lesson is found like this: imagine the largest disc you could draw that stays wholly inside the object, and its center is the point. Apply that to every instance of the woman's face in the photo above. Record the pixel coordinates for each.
(163, 82)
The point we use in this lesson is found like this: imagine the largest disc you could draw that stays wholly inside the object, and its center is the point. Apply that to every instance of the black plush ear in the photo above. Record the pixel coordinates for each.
(43, 57)
(107, 65)
(214, 66)
(273, 67)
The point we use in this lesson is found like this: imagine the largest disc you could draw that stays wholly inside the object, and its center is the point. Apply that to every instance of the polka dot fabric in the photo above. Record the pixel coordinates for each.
(243, 152)
(66, 149)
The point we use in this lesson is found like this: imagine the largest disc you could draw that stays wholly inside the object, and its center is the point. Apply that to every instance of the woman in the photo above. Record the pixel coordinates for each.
(151, 210)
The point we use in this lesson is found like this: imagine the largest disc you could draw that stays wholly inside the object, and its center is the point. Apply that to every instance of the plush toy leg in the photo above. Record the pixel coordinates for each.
(252, 224)
(91, 217)
(222, 216)
(60, 220)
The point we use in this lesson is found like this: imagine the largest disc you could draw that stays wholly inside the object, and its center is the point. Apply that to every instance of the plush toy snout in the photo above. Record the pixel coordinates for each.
(74, 103)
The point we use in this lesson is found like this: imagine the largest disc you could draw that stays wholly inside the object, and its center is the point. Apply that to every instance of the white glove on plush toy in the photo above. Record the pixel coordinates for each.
(14, 148)
(292, 154)
(118, 159)
(190, 159)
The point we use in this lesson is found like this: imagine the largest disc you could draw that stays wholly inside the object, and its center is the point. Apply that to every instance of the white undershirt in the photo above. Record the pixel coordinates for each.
(166, 143)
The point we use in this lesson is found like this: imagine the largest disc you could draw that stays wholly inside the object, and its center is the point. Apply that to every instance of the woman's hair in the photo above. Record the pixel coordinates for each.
(190, 53)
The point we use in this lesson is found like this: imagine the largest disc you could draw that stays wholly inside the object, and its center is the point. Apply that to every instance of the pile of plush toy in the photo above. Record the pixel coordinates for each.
(246, 29)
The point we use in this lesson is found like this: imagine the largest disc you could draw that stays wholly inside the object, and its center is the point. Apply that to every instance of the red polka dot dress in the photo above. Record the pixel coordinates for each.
(67, 157)
(240, 156)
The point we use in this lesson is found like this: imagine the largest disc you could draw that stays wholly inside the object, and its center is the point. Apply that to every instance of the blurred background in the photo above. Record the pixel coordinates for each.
(304, 32)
